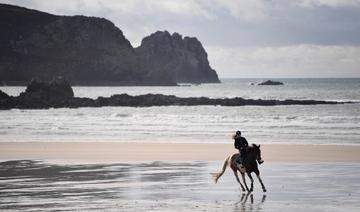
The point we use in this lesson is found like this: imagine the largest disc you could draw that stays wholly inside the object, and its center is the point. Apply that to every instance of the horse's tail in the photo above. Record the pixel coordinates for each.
(219, 174)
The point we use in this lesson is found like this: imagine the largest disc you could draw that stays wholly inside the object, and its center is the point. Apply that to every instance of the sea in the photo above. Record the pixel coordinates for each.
(290, 124)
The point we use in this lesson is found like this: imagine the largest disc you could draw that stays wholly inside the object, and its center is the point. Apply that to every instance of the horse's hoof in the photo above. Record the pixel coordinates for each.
(264, 190)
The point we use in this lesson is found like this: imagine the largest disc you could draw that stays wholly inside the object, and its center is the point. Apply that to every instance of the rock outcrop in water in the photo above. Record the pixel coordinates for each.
(3, 95)
(59, 94)
(57, 89)
(268, 82)
(40, 94)
(92, 51)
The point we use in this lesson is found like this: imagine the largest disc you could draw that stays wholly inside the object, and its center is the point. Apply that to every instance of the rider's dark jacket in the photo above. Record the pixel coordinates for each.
(240, 142)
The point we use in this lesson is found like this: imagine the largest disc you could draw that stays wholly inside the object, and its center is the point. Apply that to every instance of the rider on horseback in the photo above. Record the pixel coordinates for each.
(241, 144)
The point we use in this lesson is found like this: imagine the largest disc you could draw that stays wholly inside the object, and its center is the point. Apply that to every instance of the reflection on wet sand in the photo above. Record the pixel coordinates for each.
(27, 185)
(174, 186)
(244, 205)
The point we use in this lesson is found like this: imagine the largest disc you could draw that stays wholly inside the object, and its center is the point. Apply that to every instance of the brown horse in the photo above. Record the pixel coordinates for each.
(253, 154)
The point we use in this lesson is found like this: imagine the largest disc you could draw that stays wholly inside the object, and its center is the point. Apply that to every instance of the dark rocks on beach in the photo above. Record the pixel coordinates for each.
(57, 89)
(5, 100)
(40, 94)
(270, 82)
(3, 95)
(59, 94)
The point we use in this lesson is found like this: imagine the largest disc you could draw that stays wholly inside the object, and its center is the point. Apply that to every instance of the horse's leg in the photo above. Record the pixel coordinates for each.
(244, 180)
(260, 180)
(237, 179)
(252, 182)
(242, 197)
(246, 198)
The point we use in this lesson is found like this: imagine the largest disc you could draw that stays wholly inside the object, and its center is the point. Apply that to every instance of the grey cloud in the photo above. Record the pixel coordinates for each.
(288, 61)
(289, 25)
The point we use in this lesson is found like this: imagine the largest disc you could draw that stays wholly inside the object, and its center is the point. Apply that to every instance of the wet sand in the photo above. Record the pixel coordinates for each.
(176, 186)
(118, 152)
(174, 177)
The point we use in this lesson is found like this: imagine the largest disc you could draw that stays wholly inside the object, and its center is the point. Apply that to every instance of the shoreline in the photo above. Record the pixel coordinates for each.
(96, 152)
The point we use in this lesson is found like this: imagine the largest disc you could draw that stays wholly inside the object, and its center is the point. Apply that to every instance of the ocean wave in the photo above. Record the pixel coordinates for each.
(202, 124)
(342, 100)
(121, 115)
(56, 128)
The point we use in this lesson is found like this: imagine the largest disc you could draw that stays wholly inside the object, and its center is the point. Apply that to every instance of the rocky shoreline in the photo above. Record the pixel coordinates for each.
(59, 94)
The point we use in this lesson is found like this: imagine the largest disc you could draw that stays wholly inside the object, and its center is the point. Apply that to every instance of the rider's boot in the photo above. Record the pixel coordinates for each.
(238, 160)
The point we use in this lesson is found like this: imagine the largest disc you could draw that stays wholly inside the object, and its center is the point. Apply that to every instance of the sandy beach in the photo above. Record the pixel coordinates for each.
(79, 176)
(119, 152)
(28, 185)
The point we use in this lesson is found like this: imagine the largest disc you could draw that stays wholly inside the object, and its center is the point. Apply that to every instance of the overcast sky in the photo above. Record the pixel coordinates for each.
(243, 38)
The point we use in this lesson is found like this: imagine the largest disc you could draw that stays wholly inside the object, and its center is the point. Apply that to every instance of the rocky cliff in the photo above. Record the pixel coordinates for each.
(88, 51)
(184, 59)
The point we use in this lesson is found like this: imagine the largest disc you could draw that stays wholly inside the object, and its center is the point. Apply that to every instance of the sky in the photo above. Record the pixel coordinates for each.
(243, 38)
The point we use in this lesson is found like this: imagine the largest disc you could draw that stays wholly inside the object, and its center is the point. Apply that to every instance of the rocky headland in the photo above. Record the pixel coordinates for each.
(93, 51)
(59, 94)
(184, 59)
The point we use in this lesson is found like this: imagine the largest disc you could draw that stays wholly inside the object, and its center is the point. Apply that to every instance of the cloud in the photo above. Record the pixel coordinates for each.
(224, 22)
(189, 8)
(246, 10)
(286, 61)
(329, 3)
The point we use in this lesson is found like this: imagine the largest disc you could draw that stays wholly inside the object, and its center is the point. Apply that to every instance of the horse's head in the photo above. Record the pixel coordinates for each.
(257, 153)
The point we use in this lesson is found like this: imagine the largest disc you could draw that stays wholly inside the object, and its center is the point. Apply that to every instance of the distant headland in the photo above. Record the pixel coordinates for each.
(93, 51)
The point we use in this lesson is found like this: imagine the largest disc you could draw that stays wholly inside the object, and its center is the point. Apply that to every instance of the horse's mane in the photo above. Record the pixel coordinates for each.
(254, 147)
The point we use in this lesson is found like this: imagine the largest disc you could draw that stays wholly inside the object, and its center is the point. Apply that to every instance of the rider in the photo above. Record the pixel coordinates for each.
(240, 143)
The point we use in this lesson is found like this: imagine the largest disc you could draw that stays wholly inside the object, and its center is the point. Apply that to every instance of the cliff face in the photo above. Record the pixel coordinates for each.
(184, 59)
(84, 50)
